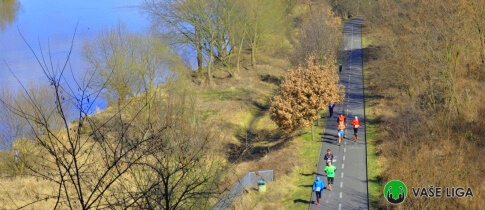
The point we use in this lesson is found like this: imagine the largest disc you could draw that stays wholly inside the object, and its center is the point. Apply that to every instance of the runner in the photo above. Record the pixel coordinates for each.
(340, 131)
(318, 187)
(339, 66)
(330, 169)
(330, 109)
(341, 118)
(328, 157)
(356, 124)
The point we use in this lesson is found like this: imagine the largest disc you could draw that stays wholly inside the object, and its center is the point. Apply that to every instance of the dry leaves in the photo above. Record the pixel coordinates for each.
(305, 92)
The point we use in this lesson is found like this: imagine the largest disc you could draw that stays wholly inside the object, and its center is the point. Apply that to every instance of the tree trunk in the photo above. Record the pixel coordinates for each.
(209, 64)
(198, 48)
(167, 193)
(253, 46)
(313, 136)
(199, 60)
(239, 56)
(149, 99)
(253, 56)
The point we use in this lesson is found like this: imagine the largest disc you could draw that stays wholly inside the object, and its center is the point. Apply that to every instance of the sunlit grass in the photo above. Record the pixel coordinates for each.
(242, 118)
(207, 113)
(265, 122)
(228, 94)
(292, 191)
(366, 41)
(373, 165)
(303, 178)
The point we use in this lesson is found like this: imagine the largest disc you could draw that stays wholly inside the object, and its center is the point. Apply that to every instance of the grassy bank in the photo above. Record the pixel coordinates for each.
(236, 107)
(373, 164)
(291, 191)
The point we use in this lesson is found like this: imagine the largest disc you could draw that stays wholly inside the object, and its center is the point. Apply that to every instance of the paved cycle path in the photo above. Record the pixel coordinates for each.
(350, 184)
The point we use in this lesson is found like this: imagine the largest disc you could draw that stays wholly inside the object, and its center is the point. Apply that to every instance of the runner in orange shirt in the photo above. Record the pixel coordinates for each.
(355, 124)
(341, 118)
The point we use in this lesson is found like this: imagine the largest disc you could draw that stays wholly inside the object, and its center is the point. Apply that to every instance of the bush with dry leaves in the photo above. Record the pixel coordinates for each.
(305, 92)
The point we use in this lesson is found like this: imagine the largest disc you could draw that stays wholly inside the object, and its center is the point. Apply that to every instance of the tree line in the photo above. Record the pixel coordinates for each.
(219, 31)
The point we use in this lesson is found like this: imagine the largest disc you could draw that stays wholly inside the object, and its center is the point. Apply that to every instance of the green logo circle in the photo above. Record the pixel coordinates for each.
(395, 192)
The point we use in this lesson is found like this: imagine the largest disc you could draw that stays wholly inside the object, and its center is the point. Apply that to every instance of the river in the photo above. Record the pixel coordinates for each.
(54, 22)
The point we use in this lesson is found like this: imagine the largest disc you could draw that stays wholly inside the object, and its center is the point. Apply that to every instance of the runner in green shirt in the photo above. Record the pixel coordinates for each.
(330, 169)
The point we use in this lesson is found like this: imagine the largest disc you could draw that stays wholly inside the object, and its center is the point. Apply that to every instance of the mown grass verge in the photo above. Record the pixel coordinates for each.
(303, 178)
(373, 165)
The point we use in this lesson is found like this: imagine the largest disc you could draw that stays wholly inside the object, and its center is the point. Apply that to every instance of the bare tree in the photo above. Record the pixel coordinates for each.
(83, 155)
(181, 21)
(94, 159)
(215, 28)
(319, 35)
(129, 63)
(16, 131)
(265, 23)
(203, 25)
(11, 125)
(181, 169)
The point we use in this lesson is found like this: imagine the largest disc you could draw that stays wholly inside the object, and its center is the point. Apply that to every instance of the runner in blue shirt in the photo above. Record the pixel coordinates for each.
(318, 187)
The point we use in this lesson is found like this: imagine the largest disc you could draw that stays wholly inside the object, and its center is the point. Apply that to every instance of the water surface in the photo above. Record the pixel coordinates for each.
(54, 21)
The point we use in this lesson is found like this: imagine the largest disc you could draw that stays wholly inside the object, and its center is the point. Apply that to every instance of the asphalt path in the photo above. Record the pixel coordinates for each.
(350, 190)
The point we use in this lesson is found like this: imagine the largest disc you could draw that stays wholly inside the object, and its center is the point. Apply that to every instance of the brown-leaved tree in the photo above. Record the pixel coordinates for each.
(305, 92)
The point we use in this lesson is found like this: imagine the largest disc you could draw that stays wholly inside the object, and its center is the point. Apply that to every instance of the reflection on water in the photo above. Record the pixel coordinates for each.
(8, 12)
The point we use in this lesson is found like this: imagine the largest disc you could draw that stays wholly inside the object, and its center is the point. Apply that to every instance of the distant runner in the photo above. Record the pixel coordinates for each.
(330, 109)
(339, 66)
(330, 169)
(328, 157)
(318, 187)
(340, 131)
(356, 124)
